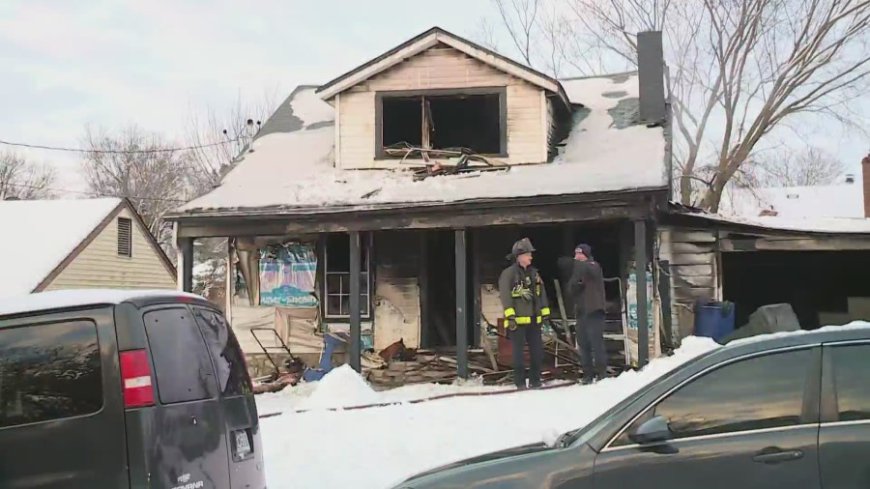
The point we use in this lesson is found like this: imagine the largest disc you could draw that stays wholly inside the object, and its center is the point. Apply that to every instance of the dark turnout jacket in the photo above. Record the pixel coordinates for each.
(587, 287)
(523, 295)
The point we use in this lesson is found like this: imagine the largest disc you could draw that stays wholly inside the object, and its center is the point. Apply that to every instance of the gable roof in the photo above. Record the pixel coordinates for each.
(291, 169)
(41, 237)
(823, 201)
(428, 39)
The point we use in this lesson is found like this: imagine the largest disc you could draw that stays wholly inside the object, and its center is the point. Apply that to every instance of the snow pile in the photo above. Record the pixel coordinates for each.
(379, 447)
(340, 387)
(297, 397)
(39, 234)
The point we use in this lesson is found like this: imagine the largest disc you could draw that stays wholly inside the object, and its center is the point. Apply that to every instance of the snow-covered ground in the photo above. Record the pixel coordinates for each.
(323, 447)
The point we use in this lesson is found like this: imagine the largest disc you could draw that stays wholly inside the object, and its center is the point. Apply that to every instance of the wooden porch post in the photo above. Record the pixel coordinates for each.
(461, 304)
(355, 312)
(640, 262)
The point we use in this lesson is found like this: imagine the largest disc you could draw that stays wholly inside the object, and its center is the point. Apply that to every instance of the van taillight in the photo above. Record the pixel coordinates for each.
(136, 378)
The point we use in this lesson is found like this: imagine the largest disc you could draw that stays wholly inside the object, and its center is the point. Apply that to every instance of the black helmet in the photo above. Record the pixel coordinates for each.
(521, 247)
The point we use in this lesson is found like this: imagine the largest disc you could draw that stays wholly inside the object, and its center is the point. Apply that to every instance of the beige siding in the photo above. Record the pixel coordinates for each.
(99, 266)
(440, 68)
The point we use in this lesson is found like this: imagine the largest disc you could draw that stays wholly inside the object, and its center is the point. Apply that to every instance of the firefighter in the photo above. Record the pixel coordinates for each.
(524, 299)
(586, 286)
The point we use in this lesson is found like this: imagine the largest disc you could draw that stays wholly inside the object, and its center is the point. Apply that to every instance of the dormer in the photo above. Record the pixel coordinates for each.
(443, 92)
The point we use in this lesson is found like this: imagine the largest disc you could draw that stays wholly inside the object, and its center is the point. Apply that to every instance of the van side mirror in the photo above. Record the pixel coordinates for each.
(654, 430)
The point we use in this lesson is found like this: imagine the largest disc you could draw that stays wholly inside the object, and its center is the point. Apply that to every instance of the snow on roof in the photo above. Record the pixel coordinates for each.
(824, 201)
(833, 225)
(39, 234)
(835, 208)
(292, 169)
(63, 299)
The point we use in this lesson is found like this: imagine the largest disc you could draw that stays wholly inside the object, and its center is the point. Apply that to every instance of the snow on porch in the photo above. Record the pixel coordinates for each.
(292, 164)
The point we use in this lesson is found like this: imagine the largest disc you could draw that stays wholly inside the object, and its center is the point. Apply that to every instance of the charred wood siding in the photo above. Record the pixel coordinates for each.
(439, 68)
(397, 289)
(692, 256)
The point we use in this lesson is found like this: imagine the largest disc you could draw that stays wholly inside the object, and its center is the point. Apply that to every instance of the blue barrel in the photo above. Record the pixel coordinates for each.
(714, 320)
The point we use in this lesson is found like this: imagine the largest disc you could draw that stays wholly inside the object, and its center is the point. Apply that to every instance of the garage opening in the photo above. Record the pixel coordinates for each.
(817, 284)
(451, 121)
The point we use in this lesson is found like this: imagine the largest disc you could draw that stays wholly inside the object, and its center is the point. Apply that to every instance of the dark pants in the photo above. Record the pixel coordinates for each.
(590, 339)
(530, 334)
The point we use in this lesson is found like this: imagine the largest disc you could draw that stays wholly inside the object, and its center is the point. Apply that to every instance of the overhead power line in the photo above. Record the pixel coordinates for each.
(91, 194)
(112, 151)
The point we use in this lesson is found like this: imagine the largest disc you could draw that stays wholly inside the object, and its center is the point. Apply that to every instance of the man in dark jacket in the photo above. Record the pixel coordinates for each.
(524, 299)
(587, 289)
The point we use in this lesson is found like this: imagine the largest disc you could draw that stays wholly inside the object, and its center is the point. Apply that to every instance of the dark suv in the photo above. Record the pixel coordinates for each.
(783, 412)
(113, 389)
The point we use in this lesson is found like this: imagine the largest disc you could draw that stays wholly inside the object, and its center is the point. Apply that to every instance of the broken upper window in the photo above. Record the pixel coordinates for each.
(444, 121)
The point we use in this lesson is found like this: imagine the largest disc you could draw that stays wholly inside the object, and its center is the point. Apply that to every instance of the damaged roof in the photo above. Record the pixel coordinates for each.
(290, 167)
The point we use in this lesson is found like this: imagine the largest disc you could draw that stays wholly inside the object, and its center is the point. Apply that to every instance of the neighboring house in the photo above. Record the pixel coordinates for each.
(331, 175)
(73, 244)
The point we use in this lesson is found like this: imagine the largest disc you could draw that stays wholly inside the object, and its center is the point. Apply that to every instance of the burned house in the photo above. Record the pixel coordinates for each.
(383, 202)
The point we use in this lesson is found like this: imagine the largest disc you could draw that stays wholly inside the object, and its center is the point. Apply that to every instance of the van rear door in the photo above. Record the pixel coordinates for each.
(183, 436)
(237, 399)
(61, 412)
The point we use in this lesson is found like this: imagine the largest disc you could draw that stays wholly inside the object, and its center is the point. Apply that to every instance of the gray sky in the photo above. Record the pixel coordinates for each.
(155, 63)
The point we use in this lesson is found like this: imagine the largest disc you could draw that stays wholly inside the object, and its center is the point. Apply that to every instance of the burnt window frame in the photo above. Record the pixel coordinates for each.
(500, 91)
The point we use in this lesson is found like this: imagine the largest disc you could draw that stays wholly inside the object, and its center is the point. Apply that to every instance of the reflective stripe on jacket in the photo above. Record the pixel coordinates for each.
(523, 295)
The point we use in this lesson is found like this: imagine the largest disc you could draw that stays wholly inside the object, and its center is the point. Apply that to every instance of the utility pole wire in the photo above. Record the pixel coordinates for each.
(108, 151)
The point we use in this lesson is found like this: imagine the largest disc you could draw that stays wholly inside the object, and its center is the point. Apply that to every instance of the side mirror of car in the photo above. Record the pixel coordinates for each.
(654, 430)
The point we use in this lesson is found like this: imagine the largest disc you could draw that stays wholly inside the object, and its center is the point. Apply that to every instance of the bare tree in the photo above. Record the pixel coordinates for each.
(21, 179)
(520, 19)
(739, 70)
(809, 167)
(234, 127)
(209, 161)
(485, 35)
(141, 167)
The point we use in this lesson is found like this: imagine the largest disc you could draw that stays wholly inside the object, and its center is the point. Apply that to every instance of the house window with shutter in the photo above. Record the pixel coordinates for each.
(125, 237)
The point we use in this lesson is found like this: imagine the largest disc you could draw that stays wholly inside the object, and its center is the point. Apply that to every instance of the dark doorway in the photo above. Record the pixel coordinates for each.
(438, 289)
(812, 282)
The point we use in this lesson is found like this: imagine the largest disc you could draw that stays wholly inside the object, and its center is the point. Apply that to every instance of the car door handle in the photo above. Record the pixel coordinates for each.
(775, 455)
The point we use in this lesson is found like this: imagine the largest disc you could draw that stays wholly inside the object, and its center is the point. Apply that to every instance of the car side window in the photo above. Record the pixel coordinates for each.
(851, 373)
(181, 362)
(224, 348)
(756, 393)
(49, 371)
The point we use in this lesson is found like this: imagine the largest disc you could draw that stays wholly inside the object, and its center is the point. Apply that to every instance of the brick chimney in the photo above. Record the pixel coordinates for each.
(865, 171)
(651, 77)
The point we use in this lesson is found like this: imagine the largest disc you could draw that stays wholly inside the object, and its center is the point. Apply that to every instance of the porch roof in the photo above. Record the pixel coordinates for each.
(290, 168)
